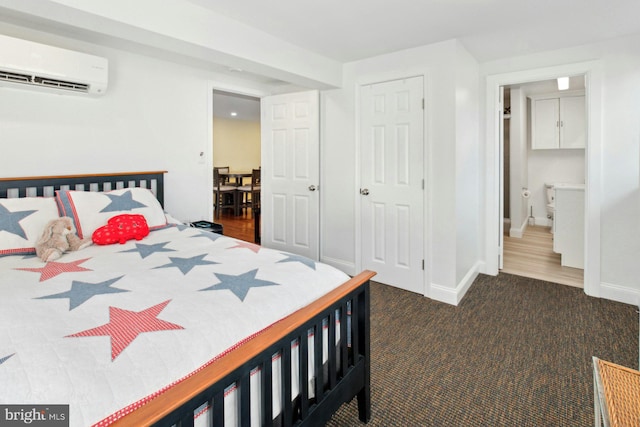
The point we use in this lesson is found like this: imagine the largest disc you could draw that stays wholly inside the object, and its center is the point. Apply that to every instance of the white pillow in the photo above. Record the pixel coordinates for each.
(22, 221)
(91, 210)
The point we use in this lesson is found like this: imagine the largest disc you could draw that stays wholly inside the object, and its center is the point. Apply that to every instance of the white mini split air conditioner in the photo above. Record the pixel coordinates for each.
(25, 64)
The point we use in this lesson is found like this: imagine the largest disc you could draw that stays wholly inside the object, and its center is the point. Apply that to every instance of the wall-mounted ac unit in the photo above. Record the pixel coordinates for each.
(25, 64)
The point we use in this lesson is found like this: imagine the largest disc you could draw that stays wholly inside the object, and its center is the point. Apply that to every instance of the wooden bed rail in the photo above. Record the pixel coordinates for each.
(247, 356)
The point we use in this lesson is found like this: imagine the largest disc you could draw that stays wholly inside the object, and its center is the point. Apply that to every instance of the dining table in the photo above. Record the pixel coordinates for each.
(237, 176)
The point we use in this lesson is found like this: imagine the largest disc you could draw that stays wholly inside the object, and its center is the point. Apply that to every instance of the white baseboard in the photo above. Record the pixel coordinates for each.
(620, 294)
(453, 296)
(543, 221)
(518, 232)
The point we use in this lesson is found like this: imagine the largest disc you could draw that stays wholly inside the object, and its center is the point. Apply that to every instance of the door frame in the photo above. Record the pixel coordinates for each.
(593, 173)
(426, 224)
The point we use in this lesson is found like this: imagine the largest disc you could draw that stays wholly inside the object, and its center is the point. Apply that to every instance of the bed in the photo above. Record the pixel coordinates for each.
(184, 327)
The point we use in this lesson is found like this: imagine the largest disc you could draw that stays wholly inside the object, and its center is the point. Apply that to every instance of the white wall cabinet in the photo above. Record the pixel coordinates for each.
(558, 121)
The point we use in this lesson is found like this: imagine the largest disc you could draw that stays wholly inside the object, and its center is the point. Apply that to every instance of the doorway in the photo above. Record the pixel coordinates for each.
(532, 247)
(493, 217)
(236, 143)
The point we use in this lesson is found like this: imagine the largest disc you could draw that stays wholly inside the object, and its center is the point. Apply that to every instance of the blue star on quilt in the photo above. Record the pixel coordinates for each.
(209, 235)
(239, 285)
(81, 292)
(10, 221)
(124, 202)
(146, 250)
(185, 265)
(4, 359)
(297, 258)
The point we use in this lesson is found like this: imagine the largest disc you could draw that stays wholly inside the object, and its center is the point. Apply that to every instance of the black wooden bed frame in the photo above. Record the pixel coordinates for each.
(344, 376)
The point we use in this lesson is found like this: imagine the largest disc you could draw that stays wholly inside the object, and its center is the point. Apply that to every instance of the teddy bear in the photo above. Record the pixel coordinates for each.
(58, 237)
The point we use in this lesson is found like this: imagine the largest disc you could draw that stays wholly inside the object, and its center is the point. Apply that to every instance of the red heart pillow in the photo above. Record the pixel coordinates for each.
(121, 228)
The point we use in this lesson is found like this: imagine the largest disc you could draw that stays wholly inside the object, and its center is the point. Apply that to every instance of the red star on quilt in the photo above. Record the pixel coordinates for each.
(124, 326)
(52, 268)
(242, 244)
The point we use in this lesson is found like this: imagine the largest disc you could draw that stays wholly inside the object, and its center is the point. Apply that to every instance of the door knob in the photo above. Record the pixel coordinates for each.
(312, 188)
(364, 191)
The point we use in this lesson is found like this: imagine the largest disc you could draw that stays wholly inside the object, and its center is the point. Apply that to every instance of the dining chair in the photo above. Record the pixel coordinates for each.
(224, 195)
(251, 193)
(223, 169)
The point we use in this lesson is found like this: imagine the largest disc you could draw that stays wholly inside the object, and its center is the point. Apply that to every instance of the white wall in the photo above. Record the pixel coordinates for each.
(468, 186)
(153, 117)
(518, 162)
(616, 160)
(338, 190)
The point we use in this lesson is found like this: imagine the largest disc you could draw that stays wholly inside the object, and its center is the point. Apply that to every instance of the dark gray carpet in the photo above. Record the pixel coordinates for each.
(515, 352)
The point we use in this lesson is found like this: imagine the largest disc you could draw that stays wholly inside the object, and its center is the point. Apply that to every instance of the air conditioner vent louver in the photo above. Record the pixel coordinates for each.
(14, 77)
(43, 81)
(29, 65)
(61, 84)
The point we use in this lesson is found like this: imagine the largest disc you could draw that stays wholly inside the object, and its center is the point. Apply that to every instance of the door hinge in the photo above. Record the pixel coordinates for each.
(423, 184)
(423, 264)
(423, 103)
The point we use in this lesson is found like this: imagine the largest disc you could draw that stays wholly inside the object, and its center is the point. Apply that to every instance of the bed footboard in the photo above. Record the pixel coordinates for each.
(343, 376)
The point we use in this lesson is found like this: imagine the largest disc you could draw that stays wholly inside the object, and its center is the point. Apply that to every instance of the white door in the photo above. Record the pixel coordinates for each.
(392, 182)
(290, 173)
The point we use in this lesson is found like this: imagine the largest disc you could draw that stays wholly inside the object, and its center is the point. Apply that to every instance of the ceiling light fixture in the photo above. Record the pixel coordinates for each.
(563, 83)
(233, 114)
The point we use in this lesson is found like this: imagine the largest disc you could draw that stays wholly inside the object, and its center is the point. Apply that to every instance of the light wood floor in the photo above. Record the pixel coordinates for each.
(533, 256)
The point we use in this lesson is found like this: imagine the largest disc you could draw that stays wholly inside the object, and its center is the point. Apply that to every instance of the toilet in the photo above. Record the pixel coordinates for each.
(550, 193)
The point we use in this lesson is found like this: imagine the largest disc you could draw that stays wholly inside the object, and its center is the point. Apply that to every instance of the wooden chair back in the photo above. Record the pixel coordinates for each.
(255, 180)
(216, 175)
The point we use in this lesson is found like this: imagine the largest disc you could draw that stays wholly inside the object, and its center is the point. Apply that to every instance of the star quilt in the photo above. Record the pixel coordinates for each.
(107, 327)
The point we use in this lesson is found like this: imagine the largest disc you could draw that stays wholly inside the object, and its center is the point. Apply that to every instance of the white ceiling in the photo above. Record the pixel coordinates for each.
(349, 30)
(344, 30)
(490, 29)
(246, 108)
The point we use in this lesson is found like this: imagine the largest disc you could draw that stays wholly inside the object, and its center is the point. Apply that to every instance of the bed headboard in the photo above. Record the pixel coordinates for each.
(39, 186)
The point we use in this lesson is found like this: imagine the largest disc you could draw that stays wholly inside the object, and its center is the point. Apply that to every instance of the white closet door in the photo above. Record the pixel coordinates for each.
(573, 123)
(546, 121)
(392, 185)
